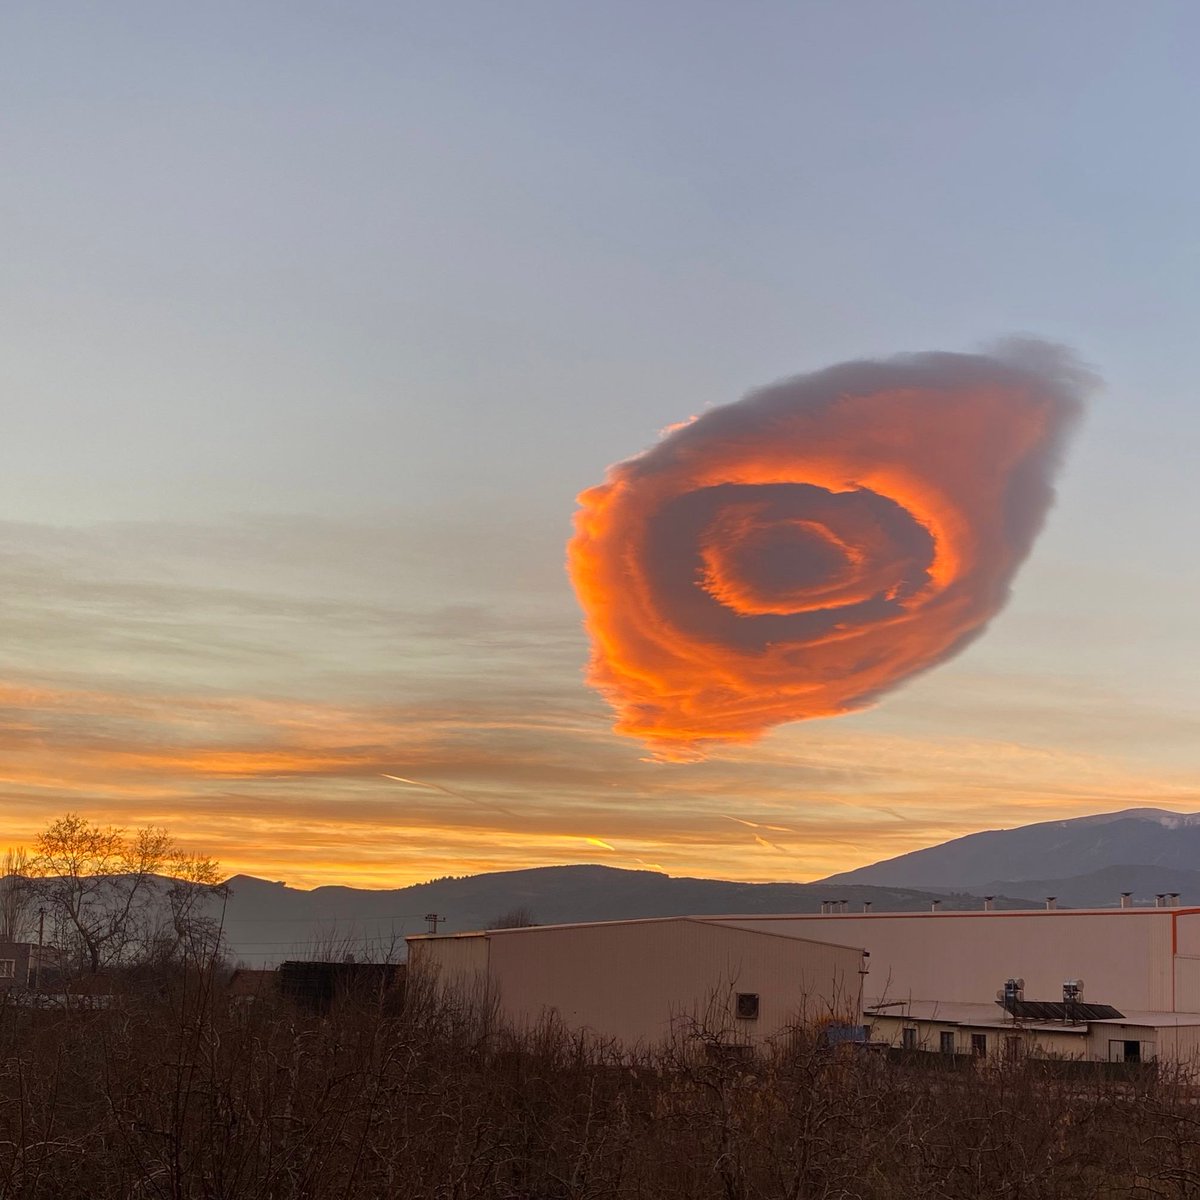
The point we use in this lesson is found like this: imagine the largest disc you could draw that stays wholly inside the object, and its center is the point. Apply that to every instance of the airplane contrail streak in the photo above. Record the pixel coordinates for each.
(757, 824)
(437, 787)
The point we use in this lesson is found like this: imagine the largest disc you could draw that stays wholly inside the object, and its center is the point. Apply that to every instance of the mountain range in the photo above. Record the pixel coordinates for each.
(1083, 862)
(268, 922)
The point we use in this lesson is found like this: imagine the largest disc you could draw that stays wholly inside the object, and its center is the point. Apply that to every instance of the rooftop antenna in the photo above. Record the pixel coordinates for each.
(434, 920)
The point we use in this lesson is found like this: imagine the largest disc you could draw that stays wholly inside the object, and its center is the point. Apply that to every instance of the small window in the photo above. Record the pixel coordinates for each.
(747, 1006)
(8, 968)
(979, 1045)
(946, 1041)
(908, 1038)
(1133, 1052)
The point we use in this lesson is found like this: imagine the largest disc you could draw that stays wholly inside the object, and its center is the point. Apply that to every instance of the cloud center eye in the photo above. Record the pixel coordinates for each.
(779, 565)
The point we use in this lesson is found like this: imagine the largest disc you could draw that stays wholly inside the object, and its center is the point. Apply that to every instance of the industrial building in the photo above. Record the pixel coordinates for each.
(1116, 984)
(21, 964)
(934, 979)
(637, 982)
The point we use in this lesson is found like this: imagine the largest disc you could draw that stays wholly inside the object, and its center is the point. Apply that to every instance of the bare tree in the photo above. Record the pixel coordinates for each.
(98, 883)
(195, 931)
(15, 895)
(515, 918)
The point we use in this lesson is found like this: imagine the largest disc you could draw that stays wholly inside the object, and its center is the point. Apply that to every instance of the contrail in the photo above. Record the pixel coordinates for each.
(437, 787)
(757, 825)
(762, 841)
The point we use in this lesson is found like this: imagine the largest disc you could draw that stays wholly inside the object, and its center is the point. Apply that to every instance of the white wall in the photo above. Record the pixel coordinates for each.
(630, 980)
(1123, 955)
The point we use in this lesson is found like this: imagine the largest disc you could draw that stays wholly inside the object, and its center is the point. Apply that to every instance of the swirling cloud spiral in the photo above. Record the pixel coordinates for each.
(814, 545)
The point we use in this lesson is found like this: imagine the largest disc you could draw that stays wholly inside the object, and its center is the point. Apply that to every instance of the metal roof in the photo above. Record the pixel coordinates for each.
(987, 1016)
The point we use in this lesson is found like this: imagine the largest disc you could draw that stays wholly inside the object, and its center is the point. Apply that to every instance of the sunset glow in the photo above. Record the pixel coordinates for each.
(800, 553)
(333, 333)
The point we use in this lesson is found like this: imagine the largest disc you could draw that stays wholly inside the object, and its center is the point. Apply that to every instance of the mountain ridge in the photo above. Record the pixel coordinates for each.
(266, 921)
(1044, 851)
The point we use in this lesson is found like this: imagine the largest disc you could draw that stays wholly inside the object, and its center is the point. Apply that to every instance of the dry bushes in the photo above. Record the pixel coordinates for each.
(173, 1091)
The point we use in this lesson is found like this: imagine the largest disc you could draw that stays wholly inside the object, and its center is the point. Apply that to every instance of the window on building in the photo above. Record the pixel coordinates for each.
(747, 1006)
(979, 1045)
(1133, 1051)
(908, 1038)
(946, 1041)
(8, 968)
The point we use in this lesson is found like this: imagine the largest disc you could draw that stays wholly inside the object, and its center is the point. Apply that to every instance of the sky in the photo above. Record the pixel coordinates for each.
(316, 318)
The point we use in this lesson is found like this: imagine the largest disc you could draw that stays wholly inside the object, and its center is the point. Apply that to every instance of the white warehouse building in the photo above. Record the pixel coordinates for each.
(920, 980)
(934, 978)
(635, 982)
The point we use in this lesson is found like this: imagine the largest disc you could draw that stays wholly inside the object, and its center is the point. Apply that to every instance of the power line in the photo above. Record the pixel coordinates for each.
(382, 917)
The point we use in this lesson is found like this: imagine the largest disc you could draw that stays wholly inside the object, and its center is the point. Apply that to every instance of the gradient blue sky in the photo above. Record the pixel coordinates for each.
(316, 317)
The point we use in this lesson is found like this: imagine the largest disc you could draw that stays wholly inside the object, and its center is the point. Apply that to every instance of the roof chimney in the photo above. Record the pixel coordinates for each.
(987, 903)
(1125, 897)
(1051, 903)
(933, 905)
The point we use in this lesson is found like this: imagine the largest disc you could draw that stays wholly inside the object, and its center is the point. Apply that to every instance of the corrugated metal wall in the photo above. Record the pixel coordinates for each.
(1123, 955)
(460, 960)
(1187, 984)
(633, 981)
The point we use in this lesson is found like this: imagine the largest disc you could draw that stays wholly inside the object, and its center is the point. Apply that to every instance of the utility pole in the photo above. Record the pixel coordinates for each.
(37, 965)
(434, 920)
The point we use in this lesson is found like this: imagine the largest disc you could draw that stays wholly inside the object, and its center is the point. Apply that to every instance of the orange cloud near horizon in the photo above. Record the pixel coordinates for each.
(801, 552)
(292, 790)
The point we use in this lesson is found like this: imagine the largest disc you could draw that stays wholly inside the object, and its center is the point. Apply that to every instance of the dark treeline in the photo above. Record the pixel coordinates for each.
(174, 1090)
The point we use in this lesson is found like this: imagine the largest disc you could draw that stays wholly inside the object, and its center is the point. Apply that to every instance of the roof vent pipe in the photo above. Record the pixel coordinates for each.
(1051, 903)
(1174, 899)
(1160, 900)
(1125, 898)
(987, 903)
(933, 905)
(866, 906)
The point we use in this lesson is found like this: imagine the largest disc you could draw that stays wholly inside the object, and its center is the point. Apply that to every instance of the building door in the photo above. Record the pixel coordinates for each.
(1125, 1050)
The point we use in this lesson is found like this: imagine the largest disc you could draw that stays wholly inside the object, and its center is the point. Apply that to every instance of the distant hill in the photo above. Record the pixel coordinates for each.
(268, 922)
(1083, 861)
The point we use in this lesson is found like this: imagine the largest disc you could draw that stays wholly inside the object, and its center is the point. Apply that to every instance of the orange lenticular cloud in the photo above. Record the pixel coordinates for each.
(800, 552)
